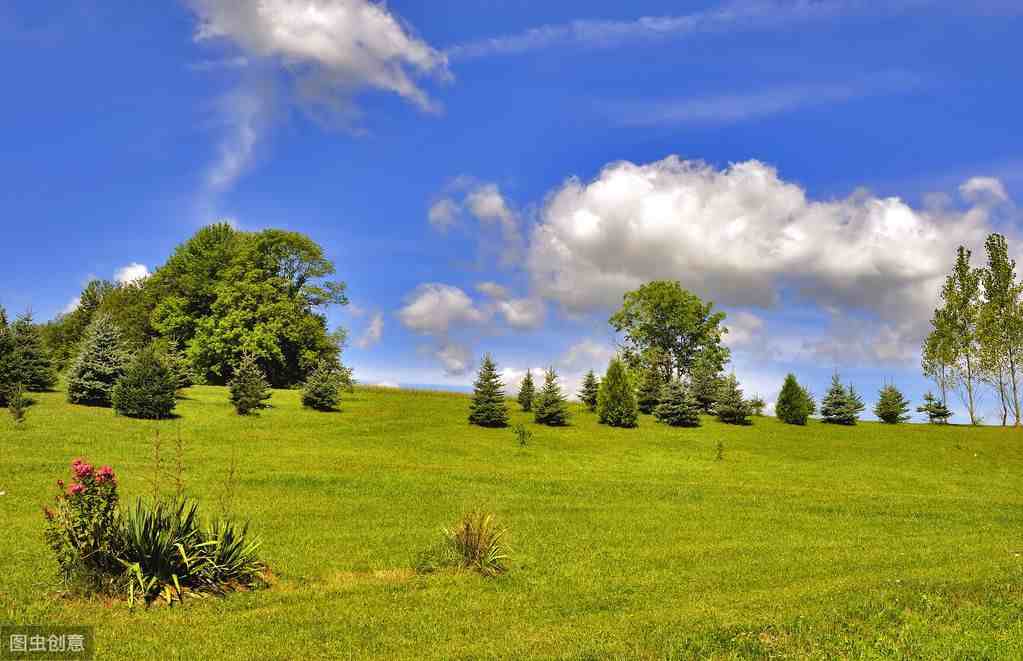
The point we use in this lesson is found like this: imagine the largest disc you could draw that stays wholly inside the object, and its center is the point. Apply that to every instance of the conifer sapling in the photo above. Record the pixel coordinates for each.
(550, 408)
(487, 408)
(527, 391)
(616, 400)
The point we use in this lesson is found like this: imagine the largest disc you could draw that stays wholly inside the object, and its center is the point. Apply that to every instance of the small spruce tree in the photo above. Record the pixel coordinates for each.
(249, 387)
(17, 403)
(841, 405)
(550, 408)
(757, 405)
(616, 400)
(179, 365)
(677, 407)
(35, 369)
(589, 391)
(8, 371)
(100, 363)
(935, 410)
(891, 408)
(648, 395)
(705, 383)
(148, 388)
(856, 405)
(488, 408)
(527, 391)
(322, 388)
(794, 405)
(730, 406)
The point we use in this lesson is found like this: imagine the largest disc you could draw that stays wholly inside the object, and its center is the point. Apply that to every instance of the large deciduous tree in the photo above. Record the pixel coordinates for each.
(1000, 327)
(959, 321)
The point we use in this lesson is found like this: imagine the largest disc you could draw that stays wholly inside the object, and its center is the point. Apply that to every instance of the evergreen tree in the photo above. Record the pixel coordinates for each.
(757, 405)
(794, 405)
(100, 363)
(856, 405)
(841, 405)
(935, 409)
(616, 400)
(147, 389)
(648, 395)
(488, 408)
(891, 406)
(527, 391)
(550, 408)
(8, 376)
(730, 406)
(678, 407)
(34, 367)
(322, 389)
(177, 362)
(249, 387)
(705, 382)
(589, 391)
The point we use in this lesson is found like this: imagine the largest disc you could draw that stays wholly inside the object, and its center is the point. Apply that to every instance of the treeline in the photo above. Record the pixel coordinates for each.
(976, 337)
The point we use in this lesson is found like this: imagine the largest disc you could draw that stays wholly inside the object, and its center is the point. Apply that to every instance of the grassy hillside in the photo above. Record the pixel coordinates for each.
(863, 542)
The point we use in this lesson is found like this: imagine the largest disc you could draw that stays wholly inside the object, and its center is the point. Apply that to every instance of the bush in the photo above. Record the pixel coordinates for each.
(616, 401)
(322, 390)
(477, 541)
(17, 403)
(527, 392)
(705, 382)
(99, 364)
(35, 371)
(550, 408)
(795, 404)
(757, 405)
(936, 410)
(523, 435)
(148, 388)
(730, 407)
(891, 408)
(841, 405)
(590, 391)
(488, 408)
(249, 389)
(677, 408)
(648, 395)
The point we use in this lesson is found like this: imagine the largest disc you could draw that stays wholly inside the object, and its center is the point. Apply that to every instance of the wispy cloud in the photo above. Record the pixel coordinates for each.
(734, 108)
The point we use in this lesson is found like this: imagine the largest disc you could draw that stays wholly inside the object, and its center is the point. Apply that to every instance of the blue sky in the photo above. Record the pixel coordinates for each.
(492, 175)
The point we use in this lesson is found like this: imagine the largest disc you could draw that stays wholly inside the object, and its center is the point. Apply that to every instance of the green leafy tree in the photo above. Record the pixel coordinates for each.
(677, 407)
(590, 390)
(527, 392)
(730, 406)
(616, 400)
(177, 362)
(705, 381)
(488, 408)
(648, 395)
(550, 408)
(841, 405)
(100, 363)
(795, 404)
(757, 405)
(959, 322)
(938, 354)
(670, 327)
(934, 409)
(891, 407)
(35, 369)
(249, 388)
(147, 389)
(322, 390)
(1000, 327)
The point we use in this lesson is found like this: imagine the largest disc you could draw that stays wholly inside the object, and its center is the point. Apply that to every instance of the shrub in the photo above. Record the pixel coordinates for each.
(757, 405)
(527, 391)
(550, 408)
(179, 365)
(705, 382)
(590, 391)
(17, 403)
(488, 408)
(35, 369)
(936, 411)
(99, 364)
(891, 408)
(795, 404)
(477, 541)
(649, 392)
(677, 408)
(730, 407)
(322, 389)
(148, 388)
(249, 389)
(523, 435)
(841, 405)
(616, 401)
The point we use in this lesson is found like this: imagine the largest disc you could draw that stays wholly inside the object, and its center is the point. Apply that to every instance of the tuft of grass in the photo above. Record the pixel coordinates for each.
(523, 435)
(478, 542)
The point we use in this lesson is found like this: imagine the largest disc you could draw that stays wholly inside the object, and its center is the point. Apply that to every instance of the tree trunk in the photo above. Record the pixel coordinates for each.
(1014, 381)
(969, 391)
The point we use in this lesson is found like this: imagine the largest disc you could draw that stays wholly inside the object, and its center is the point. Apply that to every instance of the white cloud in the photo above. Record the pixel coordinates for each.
(983, 189)
(743, 329)
(72, 305)
(374, 331)
(586, 355)
(434, 307)
(131, 273)
(456, 358)
(522, 313)
(443, 214)
(494, 290)
(485, 202)
(387, 384)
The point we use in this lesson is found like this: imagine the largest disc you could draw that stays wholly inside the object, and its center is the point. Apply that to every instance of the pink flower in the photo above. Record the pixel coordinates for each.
(105, 473)
(75, 489)
(81, 469)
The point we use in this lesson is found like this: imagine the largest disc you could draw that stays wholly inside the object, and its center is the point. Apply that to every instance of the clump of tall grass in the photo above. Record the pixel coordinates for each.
(475, 542)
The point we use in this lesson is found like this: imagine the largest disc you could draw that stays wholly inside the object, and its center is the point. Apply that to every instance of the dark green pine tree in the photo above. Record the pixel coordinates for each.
(678, 407)
(648, 395)
(730, 406)
(550, 408)
(935, 410)
(148, 388)
(8, 376)
(35, 369)
(794, 405)
(488, 408)
(590, 390)
(705, 383)
(249, 387)
(179, 365)
(527, 392)
(616, 401)
(100, 363)
(322, 388)
(891, 408)
(855, 404)
(841, 405)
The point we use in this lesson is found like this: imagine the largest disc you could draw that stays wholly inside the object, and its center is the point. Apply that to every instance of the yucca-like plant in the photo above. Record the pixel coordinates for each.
(232, 559)
(478, 542)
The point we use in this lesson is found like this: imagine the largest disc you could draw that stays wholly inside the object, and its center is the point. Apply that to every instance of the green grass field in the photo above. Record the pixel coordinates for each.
(815, 542)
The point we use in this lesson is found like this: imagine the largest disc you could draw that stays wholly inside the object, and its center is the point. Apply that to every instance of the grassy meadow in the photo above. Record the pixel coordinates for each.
(818, 542)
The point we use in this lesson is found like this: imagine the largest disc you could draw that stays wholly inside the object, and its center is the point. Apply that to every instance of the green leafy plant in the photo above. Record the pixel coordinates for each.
(648, 395)
(590, 391)
(935, 410)
(527, 391)
(795, 405)
(488, 408)
(322, 389)
(730, 407)
(550, 408)
(523, 435)
(477, 540)
(719, 454)
(677, 406)
(148, 388)
(17, 403)
(100, 363)
(892, 407)
(249, 388)
(616, 401)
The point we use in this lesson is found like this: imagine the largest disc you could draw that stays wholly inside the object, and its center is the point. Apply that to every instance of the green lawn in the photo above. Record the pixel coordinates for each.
(815, 542)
